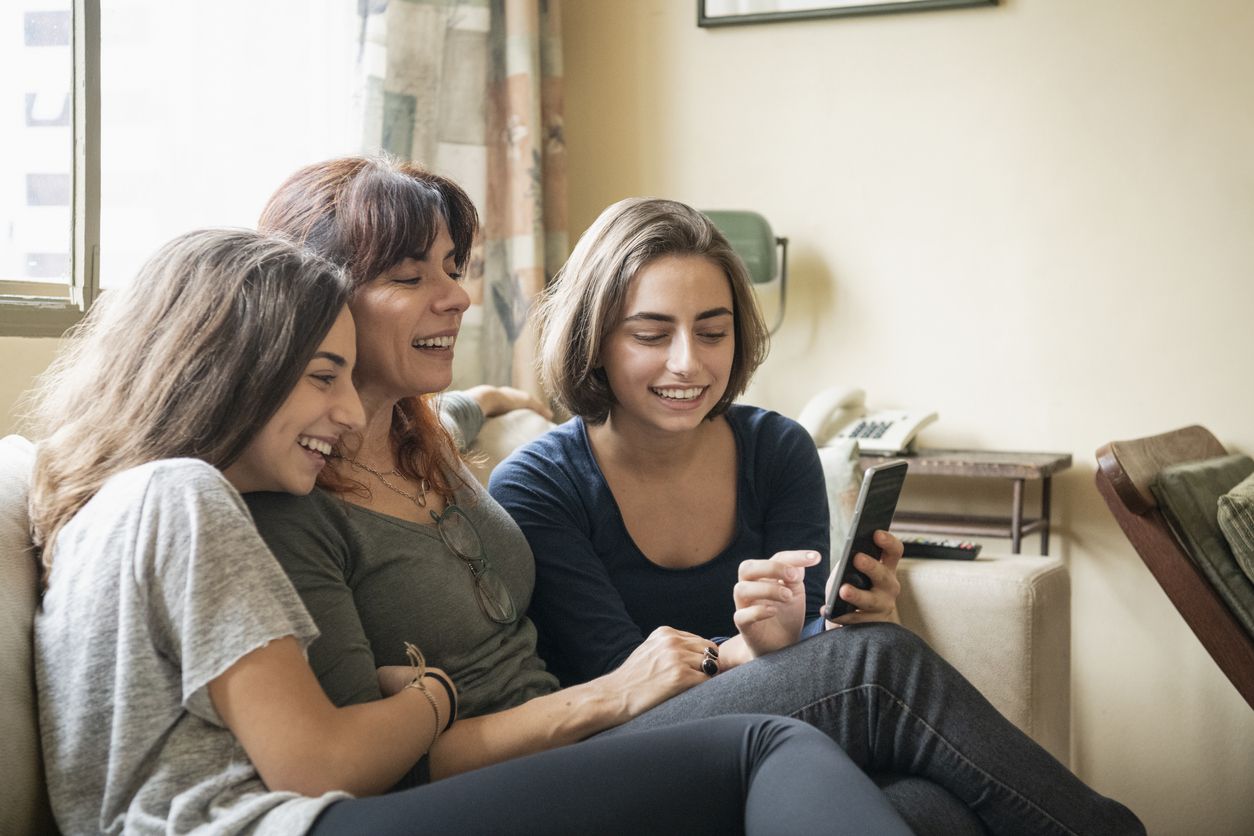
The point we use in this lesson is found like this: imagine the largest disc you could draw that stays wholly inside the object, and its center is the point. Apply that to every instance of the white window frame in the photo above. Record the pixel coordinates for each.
(32, 309)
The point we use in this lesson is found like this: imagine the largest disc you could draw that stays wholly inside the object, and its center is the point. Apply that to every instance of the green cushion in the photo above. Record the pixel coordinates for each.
(1189, 497)
(1236, 520)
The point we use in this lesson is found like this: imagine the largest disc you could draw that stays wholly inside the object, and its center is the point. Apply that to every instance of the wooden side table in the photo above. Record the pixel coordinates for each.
(983, 464)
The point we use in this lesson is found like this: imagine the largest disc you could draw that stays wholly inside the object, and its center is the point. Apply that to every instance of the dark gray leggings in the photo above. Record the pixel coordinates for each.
(725, 775)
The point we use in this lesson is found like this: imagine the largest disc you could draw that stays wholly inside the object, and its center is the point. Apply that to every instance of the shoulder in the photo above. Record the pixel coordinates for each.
(767, 430)
(556, 457)
(317, 508)
(168, 499)
(169, 485)
(179, 475)
(166, 520)
(303, 528)
(553, 477)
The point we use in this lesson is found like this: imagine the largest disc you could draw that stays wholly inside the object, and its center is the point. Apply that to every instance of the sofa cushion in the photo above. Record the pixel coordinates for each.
(23, 799)
(1236, 520)
(1189, 496)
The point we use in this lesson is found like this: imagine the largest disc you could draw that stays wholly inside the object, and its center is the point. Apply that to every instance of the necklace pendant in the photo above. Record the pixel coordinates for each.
(419, 499)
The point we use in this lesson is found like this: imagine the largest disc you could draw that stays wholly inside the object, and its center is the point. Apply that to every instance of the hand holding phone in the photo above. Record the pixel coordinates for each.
(877, 502)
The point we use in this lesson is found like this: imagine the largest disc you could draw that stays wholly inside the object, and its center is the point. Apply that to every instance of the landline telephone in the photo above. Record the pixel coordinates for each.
(840, 412)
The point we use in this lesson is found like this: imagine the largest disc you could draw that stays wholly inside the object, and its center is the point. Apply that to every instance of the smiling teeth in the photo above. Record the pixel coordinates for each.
(435, 342)
(315, 444)
(680, 394)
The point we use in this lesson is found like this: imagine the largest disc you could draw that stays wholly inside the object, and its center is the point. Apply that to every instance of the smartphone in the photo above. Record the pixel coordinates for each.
(877, 502)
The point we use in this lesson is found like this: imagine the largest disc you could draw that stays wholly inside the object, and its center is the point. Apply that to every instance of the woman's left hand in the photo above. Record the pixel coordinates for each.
(879, 603)
(770, 598)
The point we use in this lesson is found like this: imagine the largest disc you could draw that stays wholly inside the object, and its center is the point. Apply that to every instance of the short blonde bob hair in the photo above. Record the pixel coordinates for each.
(585, 300)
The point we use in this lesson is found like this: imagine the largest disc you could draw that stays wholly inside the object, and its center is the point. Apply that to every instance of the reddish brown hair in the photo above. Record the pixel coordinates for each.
(368, 214)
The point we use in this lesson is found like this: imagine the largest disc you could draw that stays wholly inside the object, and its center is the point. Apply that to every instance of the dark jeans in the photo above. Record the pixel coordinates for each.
(899, 709)
(726, 775)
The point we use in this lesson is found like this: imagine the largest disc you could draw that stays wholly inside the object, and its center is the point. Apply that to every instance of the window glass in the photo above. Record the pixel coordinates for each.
(36, 68)
(207, 106)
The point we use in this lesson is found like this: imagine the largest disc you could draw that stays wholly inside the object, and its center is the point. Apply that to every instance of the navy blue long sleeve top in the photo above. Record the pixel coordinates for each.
(597, 596)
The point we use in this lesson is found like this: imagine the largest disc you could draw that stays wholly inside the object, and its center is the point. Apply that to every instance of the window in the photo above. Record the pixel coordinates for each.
(39, 292)
(137, 120)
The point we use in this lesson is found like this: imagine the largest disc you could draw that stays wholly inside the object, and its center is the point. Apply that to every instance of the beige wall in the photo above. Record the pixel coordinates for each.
(20, 360)
(1035, 219)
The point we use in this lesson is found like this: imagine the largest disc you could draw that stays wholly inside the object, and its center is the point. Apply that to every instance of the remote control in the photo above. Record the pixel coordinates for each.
(947, 549)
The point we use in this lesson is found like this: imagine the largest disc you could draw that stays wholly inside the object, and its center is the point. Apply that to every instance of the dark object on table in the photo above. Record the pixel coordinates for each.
(943, 549)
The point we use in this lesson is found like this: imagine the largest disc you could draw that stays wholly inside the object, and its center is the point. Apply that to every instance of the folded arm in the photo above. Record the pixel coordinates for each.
(299, 742)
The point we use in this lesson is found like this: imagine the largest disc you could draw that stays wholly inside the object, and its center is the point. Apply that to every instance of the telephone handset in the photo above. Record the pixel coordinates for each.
(840, 412)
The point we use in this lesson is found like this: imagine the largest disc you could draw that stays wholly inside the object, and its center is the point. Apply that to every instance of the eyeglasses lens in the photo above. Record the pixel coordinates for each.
(460, 535)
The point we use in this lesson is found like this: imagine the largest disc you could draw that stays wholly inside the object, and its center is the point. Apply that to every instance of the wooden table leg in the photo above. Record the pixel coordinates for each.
(1016, 518)
(1045, 515)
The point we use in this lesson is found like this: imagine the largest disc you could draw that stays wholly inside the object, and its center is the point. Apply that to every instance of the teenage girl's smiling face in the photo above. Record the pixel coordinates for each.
(407, 323)
(292, 448)
(669, 357)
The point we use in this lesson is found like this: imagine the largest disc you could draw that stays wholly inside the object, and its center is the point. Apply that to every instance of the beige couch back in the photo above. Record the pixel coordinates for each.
(23, 799)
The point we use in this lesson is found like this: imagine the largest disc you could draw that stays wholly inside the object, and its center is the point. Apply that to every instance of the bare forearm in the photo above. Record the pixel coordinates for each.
(362, 749)
(302, 743)
(543, 723)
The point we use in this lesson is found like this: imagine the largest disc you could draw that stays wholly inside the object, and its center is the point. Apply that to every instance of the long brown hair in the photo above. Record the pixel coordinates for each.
(191, 359)
(367, 214)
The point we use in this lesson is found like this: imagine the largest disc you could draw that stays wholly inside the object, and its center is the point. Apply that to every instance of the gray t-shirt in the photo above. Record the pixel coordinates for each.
(159, 584)
(373, 582)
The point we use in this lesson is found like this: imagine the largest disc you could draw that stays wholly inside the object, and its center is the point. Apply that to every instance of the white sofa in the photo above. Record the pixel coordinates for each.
(1003, 621)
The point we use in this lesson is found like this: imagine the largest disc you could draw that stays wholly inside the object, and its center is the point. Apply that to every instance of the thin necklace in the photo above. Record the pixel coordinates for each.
(419, 499)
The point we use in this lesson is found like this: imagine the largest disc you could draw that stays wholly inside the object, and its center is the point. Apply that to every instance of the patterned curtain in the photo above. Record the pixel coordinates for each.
(473, 90)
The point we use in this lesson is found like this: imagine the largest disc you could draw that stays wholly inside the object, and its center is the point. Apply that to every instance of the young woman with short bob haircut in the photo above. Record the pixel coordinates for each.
(663, 504)
(174, 694)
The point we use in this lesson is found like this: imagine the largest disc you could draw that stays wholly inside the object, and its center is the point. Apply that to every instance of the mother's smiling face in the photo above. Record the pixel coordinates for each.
(407, 322)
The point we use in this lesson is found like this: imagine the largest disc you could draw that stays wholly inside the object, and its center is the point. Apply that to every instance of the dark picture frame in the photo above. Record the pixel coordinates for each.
(827, 8)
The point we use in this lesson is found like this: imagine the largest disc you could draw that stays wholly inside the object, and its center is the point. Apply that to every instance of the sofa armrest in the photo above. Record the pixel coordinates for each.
(23, 794)
(1004, 621)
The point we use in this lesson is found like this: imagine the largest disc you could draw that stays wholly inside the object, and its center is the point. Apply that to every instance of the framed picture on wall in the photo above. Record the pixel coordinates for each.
(736, 12)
